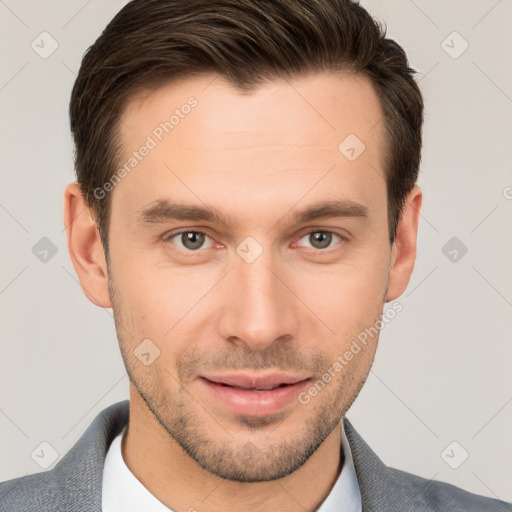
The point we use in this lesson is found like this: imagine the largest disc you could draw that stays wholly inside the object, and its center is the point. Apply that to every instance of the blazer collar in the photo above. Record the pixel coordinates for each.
(382, 489)
(81, 469)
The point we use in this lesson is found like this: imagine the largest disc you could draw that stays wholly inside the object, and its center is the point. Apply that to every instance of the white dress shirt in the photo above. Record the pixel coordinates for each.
(123, 492)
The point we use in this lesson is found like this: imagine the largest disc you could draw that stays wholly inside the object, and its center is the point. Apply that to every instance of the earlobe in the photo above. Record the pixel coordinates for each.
(85, 247)
(403, 254)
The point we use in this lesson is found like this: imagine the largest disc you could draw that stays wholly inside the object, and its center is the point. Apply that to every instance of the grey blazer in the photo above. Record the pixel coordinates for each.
(74, 484)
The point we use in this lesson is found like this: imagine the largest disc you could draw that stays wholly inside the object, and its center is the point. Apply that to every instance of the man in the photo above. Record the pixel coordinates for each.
(246, 204)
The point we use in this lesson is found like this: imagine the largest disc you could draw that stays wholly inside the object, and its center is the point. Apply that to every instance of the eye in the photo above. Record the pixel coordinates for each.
(320, 239)
(189, 240)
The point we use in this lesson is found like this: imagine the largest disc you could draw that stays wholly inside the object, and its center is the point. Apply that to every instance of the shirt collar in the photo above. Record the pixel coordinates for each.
(345, 495)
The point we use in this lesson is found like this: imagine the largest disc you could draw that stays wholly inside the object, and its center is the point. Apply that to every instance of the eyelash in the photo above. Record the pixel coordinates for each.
(342, 238)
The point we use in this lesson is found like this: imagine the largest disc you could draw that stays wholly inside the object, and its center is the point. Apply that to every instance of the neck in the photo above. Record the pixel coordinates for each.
(180, 483)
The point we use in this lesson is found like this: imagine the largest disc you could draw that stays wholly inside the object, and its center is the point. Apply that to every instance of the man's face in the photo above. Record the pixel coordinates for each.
(260, 298)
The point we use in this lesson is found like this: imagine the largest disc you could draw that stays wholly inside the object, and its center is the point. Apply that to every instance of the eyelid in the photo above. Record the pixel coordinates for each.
(344, 239)
(319, 229)
(306, 231)
(168, 236)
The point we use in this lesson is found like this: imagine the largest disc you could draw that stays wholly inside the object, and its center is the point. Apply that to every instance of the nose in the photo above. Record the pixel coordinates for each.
(257, 308)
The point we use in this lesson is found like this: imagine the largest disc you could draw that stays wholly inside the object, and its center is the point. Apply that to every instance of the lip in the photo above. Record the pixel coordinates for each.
(255, 395)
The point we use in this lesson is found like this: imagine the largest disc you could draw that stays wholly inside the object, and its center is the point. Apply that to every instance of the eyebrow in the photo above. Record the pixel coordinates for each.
(164, 210)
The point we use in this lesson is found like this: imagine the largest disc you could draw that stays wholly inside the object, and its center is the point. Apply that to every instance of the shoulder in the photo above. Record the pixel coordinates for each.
(426, 495)
(75, 483)
(385, 489)
(32, 492)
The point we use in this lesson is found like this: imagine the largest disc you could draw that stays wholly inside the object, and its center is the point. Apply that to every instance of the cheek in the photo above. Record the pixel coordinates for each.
(156, 305)
(159, 301)
(346, 297)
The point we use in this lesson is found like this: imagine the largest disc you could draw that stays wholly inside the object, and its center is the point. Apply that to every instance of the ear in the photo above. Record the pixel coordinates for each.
(85, 247)
(403, 252)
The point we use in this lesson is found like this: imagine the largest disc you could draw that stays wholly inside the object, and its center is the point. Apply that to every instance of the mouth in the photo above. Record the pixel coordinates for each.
(258, 383)
(255, 395)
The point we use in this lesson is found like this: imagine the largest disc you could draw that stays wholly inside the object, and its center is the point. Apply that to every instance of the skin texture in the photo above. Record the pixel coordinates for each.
(258, 159)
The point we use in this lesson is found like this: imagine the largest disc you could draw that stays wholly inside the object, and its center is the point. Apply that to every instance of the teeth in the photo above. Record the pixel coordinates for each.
(268, 388)
(260, 388)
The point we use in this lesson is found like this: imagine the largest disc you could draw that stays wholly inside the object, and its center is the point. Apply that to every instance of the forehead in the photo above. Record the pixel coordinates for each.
(326, 104)
(208, 140)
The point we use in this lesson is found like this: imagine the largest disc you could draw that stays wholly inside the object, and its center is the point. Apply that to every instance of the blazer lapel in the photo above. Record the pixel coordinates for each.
(80, 472)
(382, 489)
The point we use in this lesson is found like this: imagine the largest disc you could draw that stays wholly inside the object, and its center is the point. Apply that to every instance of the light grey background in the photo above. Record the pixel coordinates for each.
(442, 371)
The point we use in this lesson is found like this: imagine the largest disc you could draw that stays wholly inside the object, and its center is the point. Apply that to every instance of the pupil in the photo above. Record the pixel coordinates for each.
(192, 240)
(321, 239)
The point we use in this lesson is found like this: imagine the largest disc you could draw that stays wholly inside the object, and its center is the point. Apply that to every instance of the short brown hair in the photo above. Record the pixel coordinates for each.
(151, 42)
